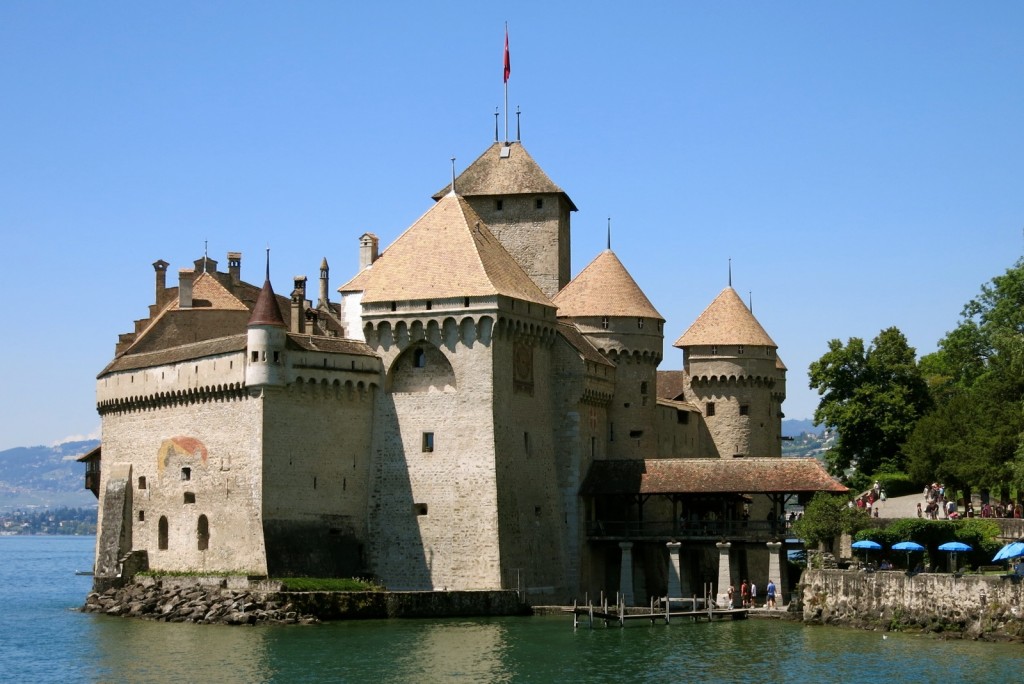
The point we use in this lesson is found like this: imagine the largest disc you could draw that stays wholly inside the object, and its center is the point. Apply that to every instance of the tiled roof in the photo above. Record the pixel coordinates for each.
(330, 345)
(358, 282)
(581, 344)
(208, 293)
(778, 363)
(492, 174)
(708, 476)
(266, 311)
(604, 288)
(177, 354)
(727, 320)
(671, 384)
(448, 252)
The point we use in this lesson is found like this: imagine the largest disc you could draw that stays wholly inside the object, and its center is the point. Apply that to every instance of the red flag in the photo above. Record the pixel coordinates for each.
(508, 62)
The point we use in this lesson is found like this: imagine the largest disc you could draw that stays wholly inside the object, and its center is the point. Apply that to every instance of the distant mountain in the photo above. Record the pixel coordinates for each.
(795, 428)
(45, 476)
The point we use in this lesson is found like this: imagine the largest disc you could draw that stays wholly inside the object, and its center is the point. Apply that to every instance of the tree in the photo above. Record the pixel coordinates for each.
(973, 438)
(825, 517)
(872, 397)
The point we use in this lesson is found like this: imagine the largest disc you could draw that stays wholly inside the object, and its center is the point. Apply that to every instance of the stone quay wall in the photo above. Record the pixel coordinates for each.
(984, 607)
(234, 601)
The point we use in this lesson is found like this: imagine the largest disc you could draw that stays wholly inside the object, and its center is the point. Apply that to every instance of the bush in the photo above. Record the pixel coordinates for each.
(327, 584)
(897, 484)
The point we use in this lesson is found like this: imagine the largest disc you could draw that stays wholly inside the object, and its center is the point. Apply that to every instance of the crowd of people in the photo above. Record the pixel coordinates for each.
(936, 502)
(748, 595)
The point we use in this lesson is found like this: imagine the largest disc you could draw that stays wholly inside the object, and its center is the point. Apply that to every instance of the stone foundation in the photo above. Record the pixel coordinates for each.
(968, 606)
(220, 601)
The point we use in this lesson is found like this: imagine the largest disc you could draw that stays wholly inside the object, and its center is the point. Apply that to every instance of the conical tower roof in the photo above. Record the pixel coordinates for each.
(448, 252)
(727, 320)
(504, 169)
(604, 288)
(265, 312)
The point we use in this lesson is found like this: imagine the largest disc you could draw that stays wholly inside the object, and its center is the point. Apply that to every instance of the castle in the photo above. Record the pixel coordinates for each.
(464, 415)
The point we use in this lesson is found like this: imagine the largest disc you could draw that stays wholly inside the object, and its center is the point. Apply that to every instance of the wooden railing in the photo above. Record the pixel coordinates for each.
(667, 530)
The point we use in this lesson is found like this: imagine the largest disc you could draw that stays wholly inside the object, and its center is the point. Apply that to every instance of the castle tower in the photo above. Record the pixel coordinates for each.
(612, 312)
(266, 336)
(527, 212)
(735, 378)
(466, 494)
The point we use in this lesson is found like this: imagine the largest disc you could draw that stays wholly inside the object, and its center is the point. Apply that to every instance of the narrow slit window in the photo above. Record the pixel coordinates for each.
(428, 441)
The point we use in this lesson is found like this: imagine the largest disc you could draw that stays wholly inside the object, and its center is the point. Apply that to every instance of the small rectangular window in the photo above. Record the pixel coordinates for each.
(142, 516)
(604, 323)
(499, 205)
(709, 408)
(430, 305)
(190, 497)
(419, 509)
(744, 410)
(142, 482)
(739, 349)
(714, 350)
(682, 417)
(640, 323)
(539, 203)
(428, 441)
(255, 356)
(526, 443)
(186, 474)
(277, 357)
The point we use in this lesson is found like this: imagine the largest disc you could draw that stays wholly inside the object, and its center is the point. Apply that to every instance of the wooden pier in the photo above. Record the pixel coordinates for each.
(666, 610)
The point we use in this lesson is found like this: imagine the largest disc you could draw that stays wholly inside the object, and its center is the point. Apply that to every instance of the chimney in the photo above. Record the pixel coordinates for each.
(367, 250)
(298, 304)
(185, 278)
(161, 281)
(324, 271)
(235, 267)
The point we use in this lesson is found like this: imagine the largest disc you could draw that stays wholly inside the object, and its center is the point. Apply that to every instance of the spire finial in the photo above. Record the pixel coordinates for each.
(730, 271)
(453, 177)
(518, 139)
(750, 300)
(609, 232)
(507, 73)
(206, 253)
(268, 264)
(495, 124)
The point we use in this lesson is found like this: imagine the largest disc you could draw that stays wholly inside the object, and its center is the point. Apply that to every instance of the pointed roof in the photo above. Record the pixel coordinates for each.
(727, 320)
(208, 293)
(266, 311)
(514, 173)
(604, 288)
(447, 252)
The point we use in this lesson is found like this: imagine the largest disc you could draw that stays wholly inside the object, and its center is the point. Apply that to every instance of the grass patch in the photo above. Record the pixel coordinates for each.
(327, 584)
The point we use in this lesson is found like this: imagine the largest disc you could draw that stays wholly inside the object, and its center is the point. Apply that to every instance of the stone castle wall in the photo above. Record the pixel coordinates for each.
(191, 460)
(977, 606)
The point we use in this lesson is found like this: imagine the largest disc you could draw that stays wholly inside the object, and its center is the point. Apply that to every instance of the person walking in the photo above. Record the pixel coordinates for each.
(770, 592)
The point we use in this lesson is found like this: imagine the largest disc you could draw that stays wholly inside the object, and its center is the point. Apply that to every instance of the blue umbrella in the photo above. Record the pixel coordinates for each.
(1011, 550)
(867, 545)
(954, 547)
(907, 546)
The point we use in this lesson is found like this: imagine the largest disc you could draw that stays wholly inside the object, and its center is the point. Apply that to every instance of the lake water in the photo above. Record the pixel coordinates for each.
(44, 639)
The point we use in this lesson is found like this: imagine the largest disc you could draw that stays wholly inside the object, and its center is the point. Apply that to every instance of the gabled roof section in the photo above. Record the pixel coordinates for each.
(587, 351)
(208, 293)
(448, 252)
(266, 311)
(727, 320)
(709, 476)
(515, 173)
(671, 384)
(357, 283)
(604, 288)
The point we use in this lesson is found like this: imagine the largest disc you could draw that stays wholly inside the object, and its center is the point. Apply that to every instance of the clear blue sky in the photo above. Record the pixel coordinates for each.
(862, 163)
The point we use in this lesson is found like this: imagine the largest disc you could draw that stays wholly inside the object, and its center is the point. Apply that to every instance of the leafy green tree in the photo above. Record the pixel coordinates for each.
(872, 397)
(973, 438)
(825, 517)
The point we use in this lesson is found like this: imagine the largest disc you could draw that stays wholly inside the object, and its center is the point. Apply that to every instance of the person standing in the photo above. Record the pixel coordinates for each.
(753, 594)
(745, 594)
(770, 593)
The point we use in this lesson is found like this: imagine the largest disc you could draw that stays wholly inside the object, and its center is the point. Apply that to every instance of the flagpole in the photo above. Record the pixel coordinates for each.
(507, 69)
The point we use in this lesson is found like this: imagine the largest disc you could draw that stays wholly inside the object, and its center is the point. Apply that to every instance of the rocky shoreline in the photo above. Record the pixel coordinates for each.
(167, 601)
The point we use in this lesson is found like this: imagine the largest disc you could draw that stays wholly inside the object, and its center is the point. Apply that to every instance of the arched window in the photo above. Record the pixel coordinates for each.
(203, 533)
(162, 527)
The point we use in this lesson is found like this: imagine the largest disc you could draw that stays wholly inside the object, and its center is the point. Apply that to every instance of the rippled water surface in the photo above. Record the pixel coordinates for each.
(42, 639)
